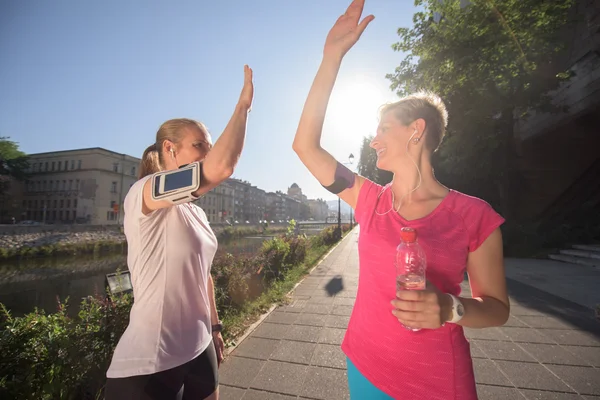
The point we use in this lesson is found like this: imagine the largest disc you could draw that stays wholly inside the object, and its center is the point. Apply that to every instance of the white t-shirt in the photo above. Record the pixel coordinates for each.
(170, 252)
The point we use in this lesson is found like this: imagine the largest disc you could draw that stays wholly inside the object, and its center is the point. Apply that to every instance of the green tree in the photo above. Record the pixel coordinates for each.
(367, 164)
(492, 62)
(13, 162)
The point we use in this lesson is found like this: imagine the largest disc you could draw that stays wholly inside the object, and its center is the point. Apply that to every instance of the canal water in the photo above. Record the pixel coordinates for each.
(31, 283)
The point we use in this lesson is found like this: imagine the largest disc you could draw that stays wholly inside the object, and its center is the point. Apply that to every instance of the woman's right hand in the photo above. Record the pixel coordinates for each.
(346, 31)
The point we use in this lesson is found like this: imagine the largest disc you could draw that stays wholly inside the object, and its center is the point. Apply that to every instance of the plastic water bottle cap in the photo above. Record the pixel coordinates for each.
(408, 235)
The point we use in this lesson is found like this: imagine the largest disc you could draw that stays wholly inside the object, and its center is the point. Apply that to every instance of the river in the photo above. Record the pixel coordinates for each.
(39, 282)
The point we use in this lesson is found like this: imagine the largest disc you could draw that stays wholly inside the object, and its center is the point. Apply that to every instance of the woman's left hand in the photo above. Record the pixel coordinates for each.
(426, 309)
(219, 346)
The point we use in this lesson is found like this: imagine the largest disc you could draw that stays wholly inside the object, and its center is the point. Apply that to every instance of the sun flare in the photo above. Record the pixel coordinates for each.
(354, 105)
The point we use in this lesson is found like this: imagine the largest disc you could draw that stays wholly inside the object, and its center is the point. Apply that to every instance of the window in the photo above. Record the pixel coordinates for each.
(62, 203)
(75, 203)
(74, 214)
(116, 167)
(72, 164)
(113, 187)
(53, 165)
(60, 215)
(76, 184)
(59, 165)
(68, 203)
(64, 185)
(55, 203)
(70, 184)
(46, 166)
(56, 183)
(78, 164)
(35, 167)
(132, 171)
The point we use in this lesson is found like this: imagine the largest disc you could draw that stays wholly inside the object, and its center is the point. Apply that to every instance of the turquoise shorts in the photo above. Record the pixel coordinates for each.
(360, 388)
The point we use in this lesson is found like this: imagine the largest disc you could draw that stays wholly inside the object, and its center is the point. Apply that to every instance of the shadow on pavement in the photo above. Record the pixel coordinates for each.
(580, 317)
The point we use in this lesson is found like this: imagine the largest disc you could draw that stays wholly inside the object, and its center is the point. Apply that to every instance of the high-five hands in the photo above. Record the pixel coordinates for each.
(346, 31)
(247, 94)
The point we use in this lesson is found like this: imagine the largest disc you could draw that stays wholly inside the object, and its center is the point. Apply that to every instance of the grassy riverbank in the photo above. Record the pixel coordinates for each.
(116, 245)
(53, 356)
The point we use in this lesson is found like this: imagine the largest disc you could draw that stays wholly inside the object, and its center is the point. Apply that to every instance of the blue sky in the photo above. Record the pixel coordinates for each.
(107, 73)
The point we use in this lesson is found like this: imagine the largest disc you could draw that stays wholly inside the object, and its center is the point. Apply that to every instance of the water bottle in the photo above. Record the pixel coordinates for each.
(411, 263)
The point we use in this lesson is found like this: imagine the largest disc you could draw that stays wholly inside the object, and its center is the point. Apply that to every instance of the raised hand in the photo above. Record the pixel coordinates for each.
(346, 31)
(247, 94)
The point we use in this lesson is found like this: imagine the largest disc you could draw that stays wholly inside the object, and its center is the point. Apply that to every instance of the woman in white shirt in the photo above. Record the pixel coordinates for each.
(173, 342)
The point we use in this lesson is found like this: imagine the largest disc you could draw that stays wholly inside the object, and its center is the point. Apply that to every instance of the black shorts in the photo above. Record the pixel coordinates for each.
(198, 378)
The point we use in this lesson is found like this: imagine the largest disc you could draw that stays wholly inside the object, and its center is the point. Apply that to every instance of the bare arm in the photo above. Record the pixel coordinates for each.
(222, 159)
(485, 266)
(214, 315)
(307, 142)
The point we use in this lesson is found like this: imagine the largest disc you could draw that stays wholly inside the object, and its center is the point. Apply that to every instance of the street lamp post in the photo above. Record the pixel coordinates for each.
(350, 161)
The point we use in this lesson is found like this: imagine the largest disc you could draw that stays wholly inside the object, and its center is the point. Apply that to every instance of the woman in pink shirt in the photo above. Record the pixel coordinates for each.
(459, 234)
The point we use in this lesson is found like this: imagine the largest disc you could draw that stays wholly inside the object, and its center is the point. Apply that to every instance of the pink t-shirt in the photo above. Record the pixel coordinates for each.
(431, 363)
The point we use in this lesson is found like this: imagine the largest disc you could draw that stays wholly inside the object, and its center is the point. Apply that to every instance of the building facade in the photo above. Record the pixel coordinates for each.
(78, 186)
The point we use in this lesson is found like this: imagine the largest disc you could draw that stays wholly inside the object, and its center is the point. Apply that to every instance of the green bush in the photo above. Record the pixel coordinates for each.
(53, 356)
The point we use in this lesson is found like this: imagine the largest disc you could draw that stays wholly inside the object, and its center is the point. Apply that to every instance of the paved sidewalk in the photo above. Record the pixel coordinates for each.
(549, 349)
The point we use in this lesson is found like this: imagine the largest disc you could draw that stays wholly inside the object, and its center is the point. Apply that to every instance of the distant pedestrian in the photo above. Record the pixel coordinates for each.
(459, 233)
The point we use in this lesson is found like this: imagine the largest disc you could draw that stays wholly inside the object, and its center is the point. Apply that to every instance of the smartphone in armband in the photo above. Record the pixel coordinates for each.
(177, 186)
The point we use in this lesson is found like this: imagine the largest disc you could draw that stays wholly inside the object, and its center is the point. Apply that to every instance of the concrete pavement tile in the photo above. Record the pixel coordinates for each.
(476, 350)
(343, 301)
(552, 354)
(230, 392)
(504, 351)
(524, 311)
(576, 338)
(318, 309)
(238, 371)
(291, 308)
(279, 317)
(342, 310)
(337, 321)
(589, 354)
(303, 333)
(532, 376)
(515, 321)
(254, 347)
(271, 331)
(332, 336)
(252, 394)
(326, 301)
(526, 335)
(280, 377)
(488, 333)
(347, 294)
(486, 372)
(327, 355)
(296, 352)
(586, 380)
(546, 322)
(311, 319)
(487, 392)
(326, 384)
(545, 395)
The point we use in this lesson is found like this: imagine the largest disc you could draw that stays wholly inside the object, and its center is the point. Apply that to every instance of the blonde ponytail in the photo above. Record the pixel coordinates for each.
(171, 130)
(150, 162)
